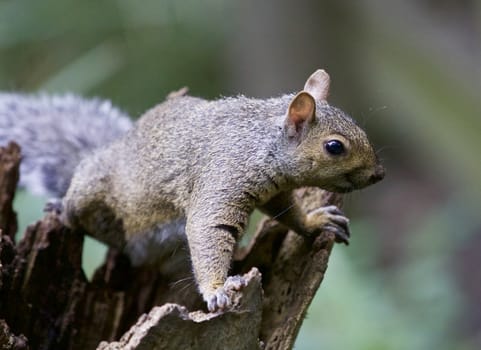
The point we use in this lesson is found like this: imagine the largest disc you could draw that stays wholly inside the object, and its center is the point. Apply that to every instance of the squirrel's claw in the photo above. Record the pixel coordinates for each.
(219, 301)
(222, 298)
(332, 219)
(234, 283)
(342, 234)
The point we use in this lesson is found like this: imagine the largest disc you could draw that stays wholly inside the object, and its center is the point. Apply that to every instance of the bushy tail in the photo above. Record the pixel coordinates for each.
(55, 132)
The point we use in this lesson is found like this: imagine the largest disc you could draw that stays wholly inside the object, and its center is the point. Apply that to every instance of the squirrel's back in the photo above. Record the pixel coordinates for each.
(55, 132)
(187, 137)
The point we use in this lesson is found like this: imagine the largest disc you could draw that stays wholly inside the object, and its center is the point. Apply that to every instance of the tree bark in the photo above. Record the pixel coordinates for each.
(9, 175)
(46, 302)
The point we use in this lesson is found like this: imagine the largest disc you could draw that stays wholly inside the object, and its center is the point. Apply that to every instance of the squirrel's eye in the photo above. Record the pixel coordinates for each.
(334, 147)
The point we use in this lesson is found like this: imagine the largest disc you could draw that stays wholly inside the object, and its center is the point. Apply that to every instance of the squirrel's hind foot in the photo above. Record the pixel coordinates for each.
(54, 205)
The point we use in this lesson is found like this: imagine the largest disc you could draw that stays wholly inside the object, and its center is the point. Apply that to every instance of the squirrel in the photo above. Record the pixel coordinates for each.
(193, 168)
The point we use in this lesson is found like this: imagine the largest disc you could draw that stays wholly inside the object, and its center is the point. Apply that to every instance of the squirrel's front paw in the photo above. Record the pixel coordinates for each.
(329, 218)
(222, 298)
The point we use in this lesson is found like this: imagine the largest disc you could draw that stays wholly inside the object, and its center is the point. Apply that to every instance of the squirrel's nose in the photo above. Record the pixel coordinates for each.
(378, 174)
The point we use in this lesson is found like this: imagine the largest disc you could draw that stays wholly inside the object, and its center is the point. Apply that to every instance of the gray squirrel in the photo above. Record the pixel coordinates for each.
(190, 165)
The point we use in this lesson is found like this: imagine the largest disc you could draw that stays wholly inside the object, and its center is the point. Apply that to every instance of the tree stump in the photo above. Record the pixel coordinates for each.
(46, 302)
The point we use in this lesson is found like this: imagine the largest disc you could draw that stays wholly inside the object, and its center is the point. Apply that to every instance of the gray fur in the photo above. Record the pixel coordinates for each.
(164, 246)
(55, 133)
(211, 163)
(202, 166)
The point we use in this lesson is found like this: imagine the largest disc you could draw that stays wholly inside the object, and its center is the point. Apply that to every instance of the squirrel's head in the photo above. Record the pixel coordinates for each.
(334, 152)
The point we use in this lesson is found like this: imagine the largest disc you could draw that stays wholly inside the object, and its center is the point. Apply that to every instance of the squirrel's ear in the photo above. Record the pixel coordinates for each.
(318, 85)
(301, 112)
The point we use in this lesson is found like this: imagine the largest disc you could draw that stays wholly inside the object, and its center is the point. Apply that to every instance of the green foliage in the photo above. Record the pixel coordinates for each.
(126, 52)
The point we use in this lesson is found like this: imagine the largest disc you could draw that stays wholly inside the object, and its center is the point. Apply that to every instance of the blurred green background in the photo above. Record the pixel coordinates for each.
(408, 71)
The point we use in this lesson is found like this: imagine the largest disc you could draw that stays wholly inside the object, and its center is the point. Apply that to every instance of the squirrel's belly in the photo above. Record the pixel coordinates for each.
(158, 245)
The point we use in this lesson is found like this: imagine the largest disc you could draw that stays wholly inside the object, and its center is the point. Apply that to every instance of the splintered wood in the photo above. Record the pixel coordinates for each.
(46, 302)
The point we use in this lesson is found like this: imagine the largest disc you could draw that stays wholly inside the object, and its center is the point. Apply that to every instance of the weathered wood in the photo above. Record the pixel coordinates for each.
(293, 267)
(46, 301)
(9, 175)
(173, 327)
(44, 284)
(9, 341)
